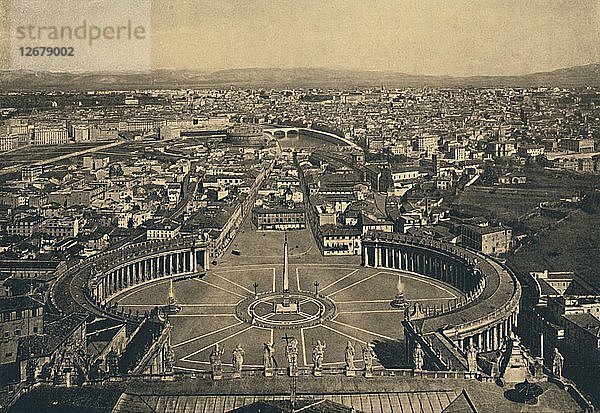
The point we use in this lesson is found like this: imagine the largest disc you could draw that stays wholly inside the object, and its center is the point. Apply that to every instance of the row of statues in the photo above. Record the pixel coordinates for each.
(368, 355)
(291, 355)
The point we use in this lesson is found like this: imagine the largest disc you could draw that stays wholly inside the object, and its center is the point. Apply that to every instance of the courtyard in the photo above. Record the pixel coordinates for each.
(355, 302)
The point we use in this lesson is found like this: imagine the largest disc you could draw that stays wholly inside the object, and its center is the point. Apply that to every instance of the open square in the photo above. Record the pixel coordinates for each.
(233, 304)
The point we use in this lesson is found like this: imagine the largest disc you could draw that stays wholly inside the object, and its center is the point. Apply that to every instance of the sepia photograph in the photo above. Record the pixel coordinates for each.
(286, 206)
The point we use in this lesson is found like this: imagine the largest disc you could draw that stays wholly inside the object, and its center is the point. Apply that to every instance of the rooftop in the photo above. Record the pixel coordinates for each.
(337, 392)
(28, 264)
(586, 321)
(487, 229)
(20, 302)
(340, 230)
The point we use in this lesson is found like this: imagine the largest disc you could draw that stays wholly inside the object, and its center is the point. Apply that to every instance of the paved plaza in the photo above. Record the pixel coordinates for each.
(352, 304)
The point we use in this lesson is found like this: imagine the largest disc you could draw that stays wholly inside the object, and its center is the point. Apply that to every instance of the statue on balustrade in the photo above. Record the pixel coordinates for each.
(538, 369)
(237, 359)
(557, 363)
(349, 359)
(368, 356)
(418, 357)
(291, 353)
(472, 359)
(169, 358)
(317, 357)
(215, 362)
(268, 358)
(112, 363)
(30, 371)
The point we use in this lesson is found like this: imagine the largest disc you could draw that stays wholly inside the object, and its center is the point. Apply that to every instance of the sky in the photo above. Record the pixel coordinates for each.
(451, 37)
(423, 37)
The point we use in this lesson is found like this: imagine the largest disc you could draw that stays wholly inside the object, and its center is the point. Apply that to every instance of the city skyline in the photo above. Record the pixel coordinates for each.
(437, 238)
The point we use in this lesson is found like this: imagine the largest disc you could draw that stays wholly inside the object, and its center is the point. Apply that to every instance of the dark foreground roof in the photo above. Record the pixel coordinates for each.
(20, 302)
(285, 406)
(462, 404)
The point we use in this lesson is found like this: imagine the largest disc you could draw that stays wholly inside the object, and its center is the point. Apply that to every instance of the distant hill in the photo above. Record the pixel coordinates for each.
(579, 76)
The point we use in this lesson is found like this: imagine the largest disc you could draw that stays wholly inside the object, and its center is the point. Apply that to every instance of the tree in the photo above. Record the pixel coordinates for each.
(543, 161)
(114, 170)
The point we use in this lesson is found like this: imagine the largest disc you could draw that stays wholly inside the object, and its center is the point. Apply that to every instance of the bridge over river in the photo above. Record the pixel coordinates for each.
(306, 133)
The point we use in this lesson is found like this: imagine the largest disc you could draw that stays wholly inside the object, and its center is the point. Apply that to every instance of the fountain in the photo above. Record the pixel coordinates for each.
(399, 301)
(171, 307)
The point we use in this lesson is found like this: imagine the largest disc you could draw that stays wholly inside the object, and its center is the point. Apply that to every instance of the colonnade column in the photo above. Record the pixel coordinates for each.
(147, 263)
(496, 330)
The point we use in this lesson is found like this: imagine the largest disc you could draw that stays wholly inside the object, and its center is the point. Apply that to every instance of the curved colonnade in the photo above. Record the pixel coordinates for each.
(487, 314)
(115, 272)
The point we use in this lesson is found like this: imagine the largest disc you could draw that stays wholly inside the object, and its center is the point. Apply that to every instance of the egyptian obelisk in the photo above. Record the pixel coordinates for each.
(286, 305)
(286, 275)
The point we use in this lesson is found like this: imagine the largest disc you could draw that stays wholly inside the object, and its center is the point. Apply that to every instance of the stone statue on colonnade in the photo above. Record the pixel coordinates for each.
(317, 357)
(368, 356)
(215, 362)
(237, 359)
(557, 363)
(472, 359)
(418, 357)
(349, 359)
(268, 358)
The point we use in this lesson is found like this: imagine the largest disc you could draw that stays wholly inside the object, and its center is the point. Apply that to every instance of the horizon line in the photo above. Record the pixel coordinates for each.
(323, 68)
